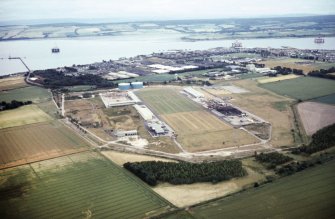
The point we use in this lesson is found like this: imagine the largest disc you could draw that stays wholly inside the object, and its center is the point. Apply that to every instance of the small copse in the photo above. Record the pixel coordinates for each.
(185, 173)
(272, 159)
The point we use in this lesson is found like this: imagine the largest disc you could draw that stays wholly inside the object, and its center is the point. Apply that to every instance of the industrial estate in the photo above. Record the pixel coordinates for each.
(175, 134)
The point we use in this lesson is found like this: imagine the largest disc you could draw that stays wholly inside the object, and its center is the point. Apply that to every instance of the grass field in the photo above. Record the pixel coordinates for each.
(197, 129)
(35, 94)
(298, 64)
(303, 88)
(308, 194)
(22, 116)
(19, 145)
(83, 188)
(278, 78)
(329, 99)
(12, 83)
(167, 100)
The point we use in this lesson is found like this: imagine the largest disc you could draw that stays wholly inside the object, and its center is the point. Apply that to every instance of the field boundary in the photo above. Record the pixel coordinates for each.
(48, 157)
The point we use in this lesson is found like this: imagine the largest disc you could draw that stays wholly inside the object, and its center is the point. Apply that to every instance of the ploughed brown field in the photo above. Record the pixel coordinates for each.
(315, 116)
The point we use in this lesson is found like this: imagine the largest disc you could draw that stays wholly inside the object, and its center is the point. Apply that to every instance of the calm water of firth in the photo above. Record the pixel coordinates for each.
(38, 54)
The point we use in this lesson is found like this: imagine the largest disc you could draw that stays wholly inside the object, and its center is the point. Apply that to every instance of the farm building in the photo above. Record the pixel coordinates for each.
(193, 93)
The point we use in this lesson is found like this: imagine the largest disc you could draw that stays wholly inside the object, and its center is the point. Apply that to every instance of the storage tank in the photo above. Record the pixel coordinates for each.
(124, 86)
(137, 85)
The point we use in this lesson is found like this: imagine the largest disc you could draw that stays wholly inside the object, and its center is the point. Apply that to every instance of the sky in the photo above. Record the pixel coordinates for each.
(134, 10)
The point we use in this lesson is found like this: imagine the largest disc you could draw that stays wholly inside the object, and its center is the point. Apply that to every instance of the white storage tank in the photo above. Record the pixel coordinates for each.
(124, 86)
(137, 85)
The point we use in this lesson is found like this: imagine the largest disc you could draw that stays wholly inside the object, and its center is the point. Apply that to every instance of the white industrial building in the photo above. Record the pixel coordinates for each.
(120, 133)
(194, 93)
(252, 68)
(161, 69)
(158, 127)
(145, 112)
(111, 99)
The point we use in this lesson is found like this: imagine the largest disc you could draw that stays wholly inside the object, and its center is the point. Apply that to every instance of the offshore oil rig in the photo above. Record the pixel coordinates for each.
(55, 50)
(236, 45)
(319, 40)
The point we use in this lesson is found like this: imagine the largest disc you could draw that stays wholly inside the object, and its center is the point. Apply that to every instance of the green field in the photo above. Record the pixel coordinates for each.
(88, 188)
(303, 88)
(35, 94)
(308, 194)
(167, 101)
(23, 115)
(329, 99)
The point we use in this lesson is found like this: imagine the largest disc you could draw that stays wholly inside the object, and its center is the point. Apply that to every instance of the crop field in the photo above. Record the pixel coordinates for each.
(315, 116)
(83, 188)
(167, 101)
(197, 129)
(35, 94)
(302, 64)
(22, 116)
(307, 194)
(303, 88)
(28, 143)
(278, 78)
(12, 83)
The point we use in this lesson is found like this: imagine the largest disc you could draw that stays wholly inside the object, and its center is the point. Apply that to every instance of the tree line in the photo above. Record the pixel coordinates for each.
(321, 140)
(54, 79)
(13, 104)
(286, 70)
(272, 159)
(153, 172)
(294, 167)
(323, 73)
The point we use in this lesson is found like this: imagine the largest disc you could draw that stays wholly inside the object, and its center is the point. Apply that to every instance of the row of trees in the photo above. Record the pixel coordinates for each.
(13, 104)
(323, 73)
(286, 70)
(294, 167)
(54, 79)
(185, 173)
(272, 159)
(321, 140)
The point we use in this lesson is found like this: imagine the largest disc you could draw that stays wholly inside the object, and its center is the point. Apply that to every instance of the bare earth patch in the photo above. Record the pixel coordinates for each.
(315, 116)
